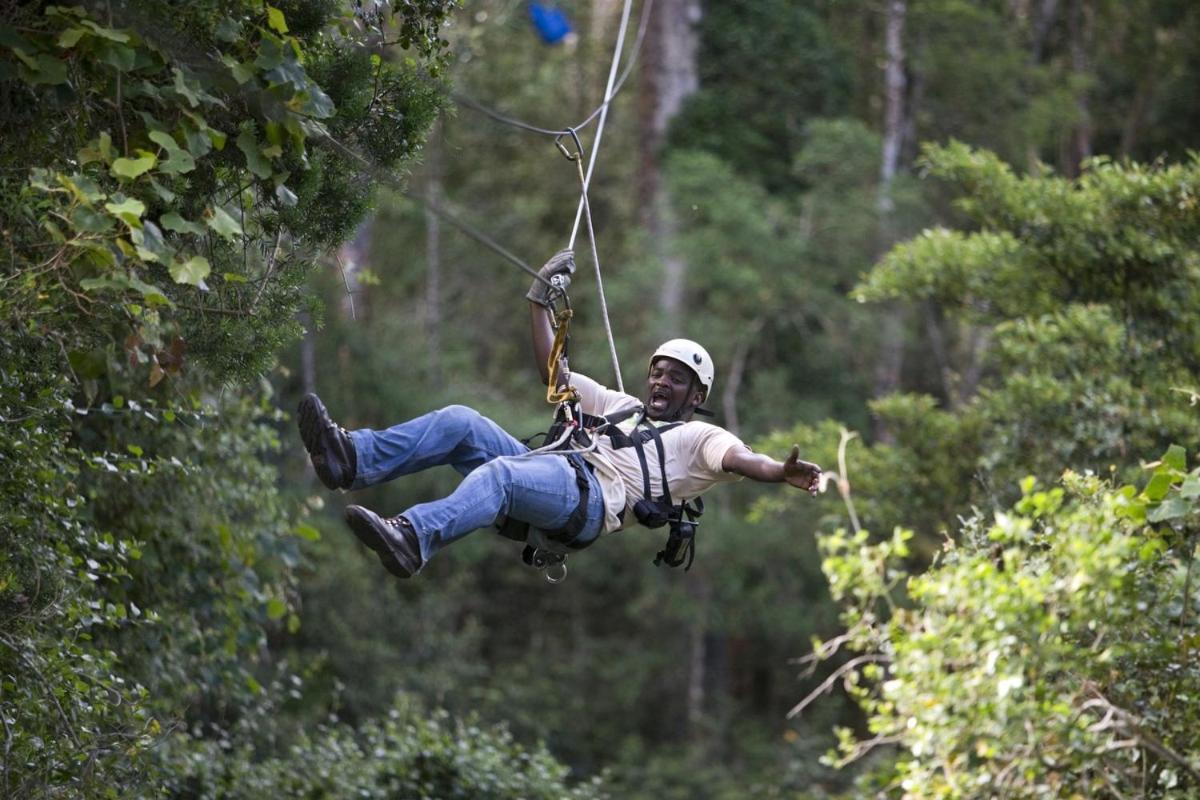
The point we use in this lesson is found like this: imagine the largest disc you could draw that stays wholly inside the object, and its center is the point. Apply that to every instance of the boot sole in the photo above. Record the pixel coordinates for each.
(365, 525)
(314, 418)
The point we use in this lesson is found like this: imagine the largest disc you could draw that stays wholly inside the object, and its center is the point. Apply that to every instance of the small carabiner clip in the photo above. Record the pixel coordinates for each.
(567, 154)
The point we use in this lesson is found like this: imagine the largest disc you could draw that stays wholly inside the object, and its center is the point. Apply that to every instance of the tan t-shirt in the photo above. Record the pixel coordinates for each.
(693, 454)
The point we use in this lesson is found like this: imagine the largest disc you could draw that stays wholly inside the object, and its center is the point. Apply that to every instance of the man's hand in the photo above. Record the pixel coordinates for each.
(801, 474)
(561, 263)
(804, 475)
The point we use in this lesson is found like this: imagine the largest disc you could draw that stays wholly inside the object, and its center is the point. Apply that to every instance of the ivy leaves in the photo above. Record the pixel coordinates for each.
(1172, 494)
(166, 134)
(179, 160)
(139, 240)
(192, 272)
(131, 168)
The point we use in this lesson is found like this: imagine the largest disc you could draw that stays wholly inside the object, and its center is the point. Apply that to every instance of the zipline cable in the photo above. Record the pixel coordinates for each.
(585, 181)
(505, 119)
(470, 230)
(584, 208)
(608, 95)
(577, 157)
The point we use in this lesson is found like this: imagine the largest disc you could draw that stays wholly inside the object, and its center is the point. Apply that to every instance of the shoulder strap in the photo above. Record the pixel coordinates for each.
(640, 434)
(598, 423)
(656, 434)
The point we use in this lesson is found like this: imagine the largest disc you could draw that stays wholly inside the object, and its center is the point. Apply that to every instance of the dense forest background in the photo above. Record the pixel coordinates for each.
(951, 248)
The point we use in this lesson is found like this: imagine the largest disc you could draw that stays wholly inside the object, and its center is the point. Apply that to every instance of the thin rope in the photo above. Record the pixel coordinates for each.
(585, 181)
(608, 95)
(505, 119)
(612, 347)
(584, 208)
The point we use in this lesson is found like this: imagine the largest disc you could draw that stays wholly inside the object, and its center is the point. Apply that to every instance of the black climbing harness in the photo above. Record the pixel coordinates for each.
(683, 518)
(574, 432)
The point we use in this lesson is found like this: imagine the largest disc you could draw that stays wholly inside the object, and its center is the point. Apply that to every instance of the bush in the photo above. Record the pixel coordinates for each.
(1046, 654)
(406, 753)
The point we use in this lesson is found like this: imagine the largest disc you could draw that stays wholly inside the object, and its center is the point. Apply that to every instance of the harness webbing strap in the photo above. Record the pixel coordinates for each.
(656, 434)
(578, 518)
(641, 454)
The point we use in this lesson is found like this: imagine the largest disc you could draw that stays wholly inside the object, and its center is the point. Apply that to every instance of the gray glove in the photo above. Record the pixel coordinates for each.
(561, 263)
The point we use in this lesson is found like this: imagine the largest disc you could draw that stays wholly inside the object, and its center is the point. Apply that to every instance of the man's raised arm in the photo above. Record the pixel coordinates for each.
(541, 329)
(543, 338)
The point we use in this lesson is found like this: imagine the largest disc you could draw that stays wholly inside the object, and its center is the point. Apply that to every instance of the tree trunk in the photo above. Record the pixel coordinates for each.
(1043, 20)
(699, 593)
(737, 368)
(1079, 25)
(891, 350)
(893, 114)
(980, 338)
(433, 254)
(1136, 119)
(669, 76)
(933, 318)
(1039, 28)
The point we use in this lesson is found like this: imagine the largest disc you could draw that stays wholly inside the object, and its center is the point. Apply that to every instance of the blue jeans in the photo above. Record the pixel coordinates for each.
(497, 482)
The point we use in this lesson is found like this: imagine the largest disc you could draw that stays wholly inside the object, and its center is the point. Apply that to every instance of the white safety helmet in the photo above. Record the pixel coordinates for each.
(693, 355)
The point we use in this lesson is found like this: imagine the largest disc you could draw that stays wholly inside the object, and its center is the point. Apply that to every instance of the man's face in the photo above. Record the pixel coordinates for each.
(671, 389)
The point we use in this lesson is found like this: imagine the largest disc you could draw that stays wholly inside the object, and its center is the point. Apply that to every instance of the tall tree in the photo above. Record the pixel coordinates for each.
(433, 254)
(1080, 23)
(669, 76)
(892, 339)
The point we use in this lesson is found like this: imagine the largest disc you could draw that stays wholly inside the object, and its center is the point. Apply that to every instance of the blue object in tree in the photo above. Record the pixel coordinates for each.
(551, 23)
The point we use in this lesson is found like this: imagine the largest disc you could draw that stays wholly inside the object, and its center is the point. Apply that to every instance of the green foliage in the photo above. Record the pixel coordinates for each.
(1048, 651)
(189, 174)
(746, 256)
(201, 172)
(402, 753)
(978, 81)
(72, 717)
(1120, 234)
(216, 578)
(753, 105)
(1071, 296)
(151, 156)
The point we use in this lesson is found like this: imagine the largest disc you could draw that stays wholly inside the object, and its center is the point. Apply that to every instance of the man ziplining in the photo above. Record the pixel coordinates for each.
(622, 461)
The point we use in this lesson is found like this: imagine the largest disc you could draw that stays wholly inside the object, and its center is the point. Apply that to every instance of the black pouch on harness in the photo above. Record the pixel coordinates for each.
(681, 541)
(653, 513)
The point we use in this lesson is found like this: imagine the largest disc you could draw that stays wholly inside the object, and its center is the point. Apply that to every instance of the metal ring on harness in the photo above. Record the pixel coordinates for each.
(546, 560)
(560, 577)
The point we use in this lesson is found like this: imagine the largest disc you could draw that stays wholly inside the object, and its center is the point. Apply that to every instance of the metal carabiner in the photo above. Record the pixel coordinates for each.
(567, 154)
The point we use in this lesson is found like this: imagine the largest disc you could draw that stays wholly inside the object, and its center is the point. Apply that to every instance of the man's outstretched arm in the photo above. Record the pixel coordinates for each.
(755, 466)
